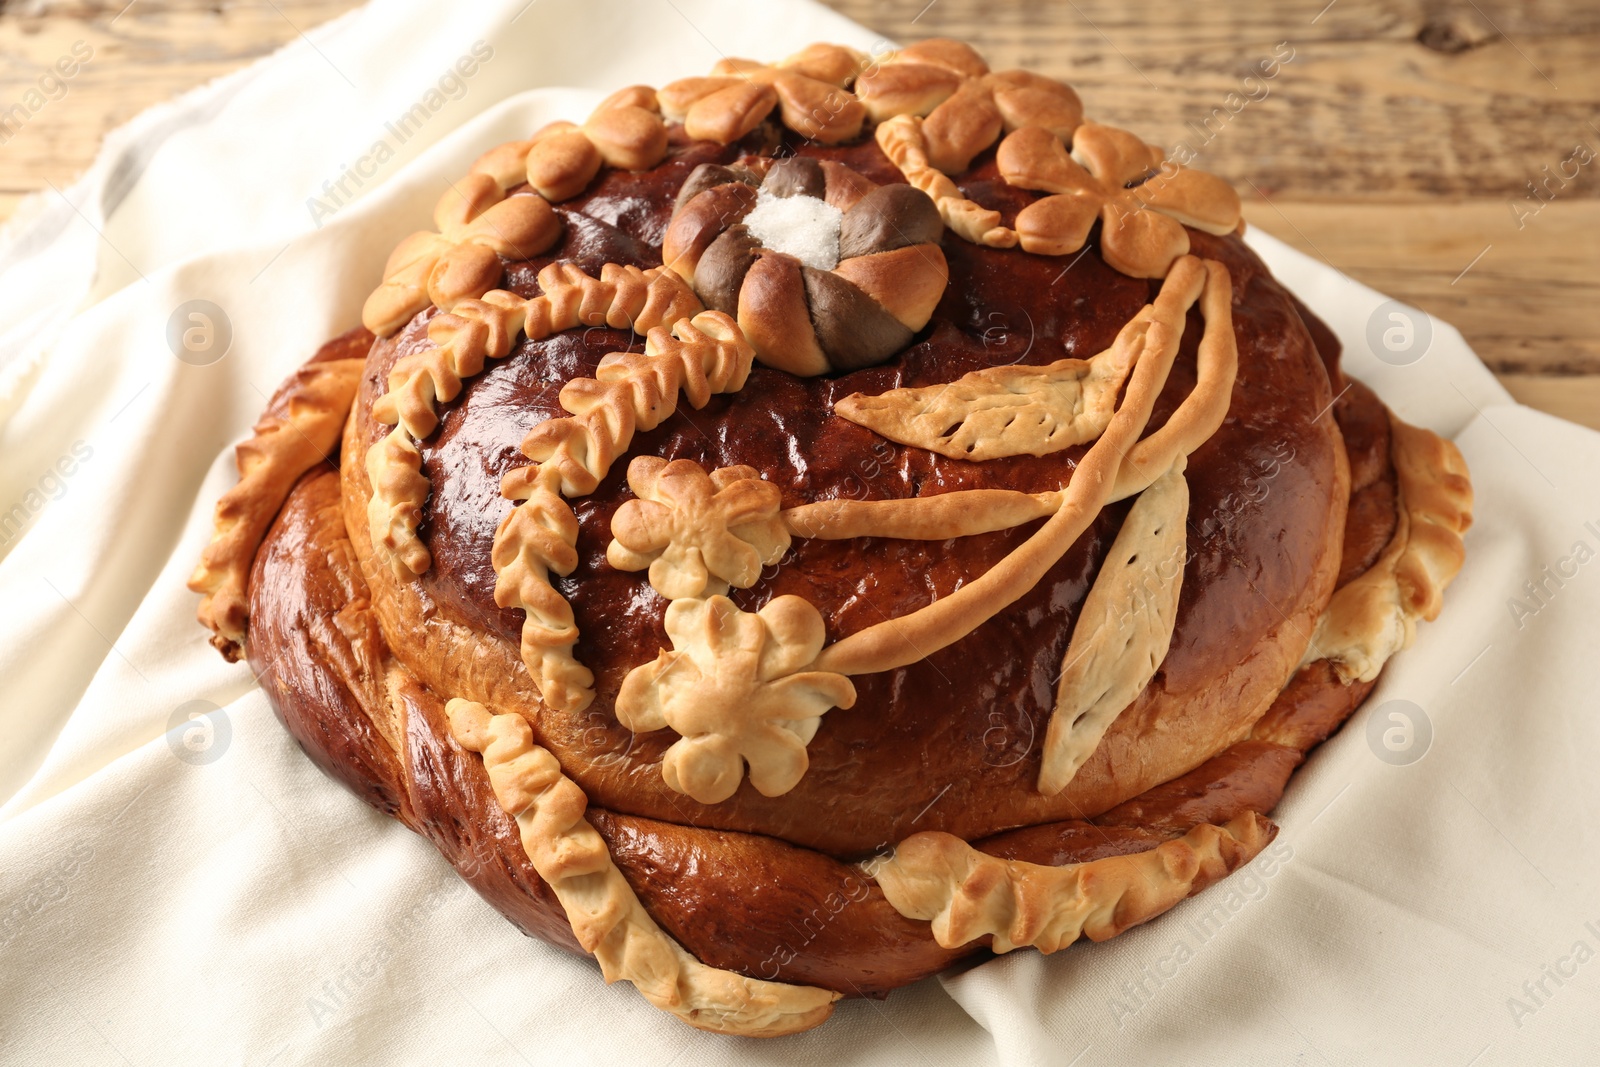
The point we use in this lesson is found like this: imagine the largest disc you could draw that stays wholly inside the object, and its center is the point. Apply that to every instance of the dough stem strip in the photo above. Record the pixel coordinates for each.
(916, 636)
(932, 518)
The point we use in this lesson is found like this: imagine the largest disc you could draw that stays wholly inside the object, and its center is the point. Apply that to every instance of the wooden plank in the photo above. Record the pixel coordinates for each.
(149, 54)
(1574, 399)
(1382, 99)
(1393, 144)
(1527, 304)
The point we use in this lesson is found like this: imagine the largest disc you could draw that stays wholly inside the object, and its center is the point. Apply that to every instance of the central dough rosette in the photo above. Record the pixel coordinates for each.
(824, 269)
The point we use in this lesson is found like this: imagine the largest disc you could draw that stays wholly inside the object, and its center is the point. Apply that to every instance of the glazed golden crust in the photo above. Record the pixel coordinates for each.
(846, 937)
(800, 916)
(738, 901)
(1218, 705)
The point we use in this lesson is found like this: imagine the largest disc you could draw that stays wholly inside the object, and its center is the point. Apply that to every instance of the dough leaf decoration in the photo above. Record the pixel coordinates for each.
(1123, 631)
(1005, 411)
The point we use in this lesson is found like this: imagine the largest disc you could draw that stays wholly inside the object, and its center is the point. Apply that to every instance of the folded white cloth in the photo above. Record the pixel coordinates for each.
(175, 890)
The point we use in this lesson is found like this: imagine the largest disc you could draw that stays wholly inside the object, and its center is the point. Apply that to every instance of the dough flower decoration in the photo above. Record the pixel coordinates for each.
(1143, 200)
(808, 88)
(937, 105)
(479, 220)
(736, 688)
(824, 269)
(699, 532)
(965, 107)
(478, 223)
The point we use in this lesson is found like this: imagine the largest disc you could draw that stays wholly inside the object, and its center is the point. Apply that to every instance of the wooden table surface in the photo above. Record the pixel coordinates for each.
(1402, 142)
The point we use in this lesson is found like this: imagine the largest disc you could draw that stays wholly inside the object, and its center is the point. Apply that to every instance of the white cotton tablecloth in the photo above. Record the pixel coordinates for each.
(234, 906)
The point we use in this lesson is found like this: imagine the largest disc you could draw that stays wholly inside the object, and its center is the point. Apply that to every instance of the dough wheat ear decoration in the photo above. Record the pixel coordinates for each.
(299, 429)
(1005, 411)
(606, 916)
(622, 297)
(630, 391)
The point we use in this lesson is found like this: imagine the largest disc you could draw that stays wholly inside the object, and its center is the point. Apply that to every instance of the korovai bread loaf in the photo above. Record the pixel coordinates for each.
(808, 524)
